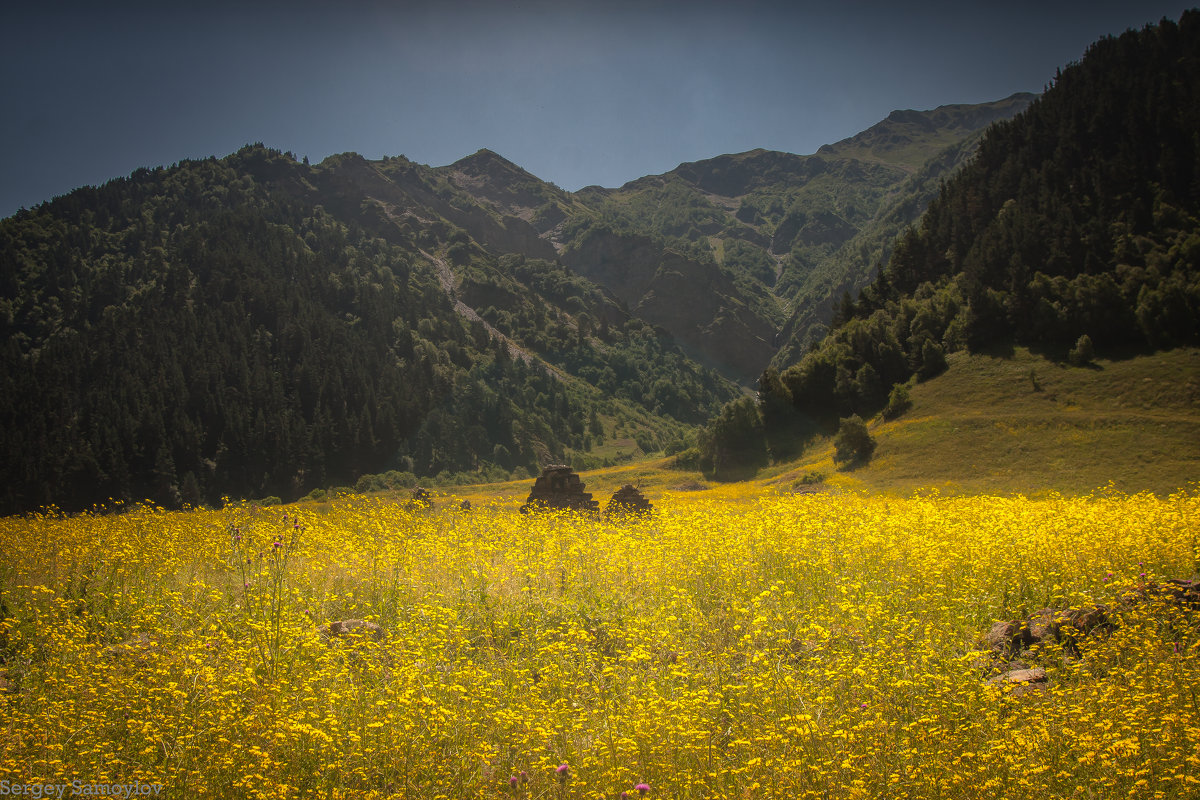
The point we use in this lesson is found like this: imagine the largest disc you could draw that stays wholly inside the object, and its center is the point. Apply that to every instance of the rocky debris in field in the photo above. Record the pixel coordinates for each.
(1026, 675)
(351, 629)
(1184, 592)
(628, 500)
(558, 487)
(1018, 682)
(1069, 627)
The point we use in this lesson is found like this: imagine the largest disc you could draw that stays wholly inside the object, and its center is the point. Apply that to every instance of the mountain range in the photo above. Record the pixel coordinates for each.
(256, 325)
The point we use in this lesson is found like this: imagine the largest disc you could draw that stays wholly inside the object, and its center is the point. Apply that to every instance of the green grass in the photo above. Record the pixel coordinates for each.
(983, 427)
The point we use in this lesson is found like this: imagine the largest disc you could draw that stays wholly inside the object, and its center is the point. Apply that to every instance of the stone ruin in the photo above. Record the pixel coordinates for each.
(628, 500)
(558, 487)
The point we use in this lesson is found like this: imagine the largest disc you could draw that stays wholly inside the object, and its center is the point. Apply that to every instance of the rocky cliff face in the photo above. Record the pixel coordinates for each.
(625, 264)
(693, 300)
(703, 310)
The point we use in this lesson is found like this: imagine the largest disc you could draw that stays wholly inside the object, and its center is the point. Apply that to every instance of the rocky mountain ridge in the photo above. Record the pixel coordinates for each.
(739, 258)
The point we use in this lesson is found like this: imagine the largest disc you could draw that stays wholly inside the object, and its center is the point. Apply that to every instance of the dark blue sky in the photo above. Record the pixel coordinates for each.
(576, 92)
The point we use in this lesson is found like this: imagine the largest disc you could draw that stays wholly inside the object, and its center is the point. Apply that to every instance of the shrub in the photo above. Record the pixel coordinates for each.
(646, 441)
(369, 483)
(933, 360)
(809, 479)
(899, 401)
(853, 444)
(1083, 352)
(688, 459)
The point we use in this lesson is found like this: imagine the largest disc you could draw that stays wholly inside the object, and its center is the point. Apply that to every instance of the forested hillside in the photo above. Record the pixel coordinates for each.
(257, 326)
(1075, 230)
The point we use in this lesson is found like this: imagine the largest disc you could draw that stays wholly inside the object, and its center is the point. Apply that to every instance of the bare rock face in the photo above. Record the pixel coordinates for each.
(628, 500)
(558, 487)
(351, 630)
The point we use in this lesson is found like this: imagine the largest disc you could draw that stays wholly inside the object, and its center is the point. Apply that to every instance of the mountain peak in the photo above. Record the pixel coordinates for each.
(484, 160)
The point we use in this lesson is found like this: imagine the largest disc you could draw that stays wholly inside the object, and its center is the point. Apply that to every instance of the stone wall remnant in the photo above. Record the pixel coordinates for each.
(628, 500)
(558, 487)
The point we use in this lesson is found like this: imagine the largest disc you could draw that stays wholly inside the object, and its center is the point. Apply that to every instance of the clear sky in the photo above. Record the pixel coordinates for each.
(576, 92)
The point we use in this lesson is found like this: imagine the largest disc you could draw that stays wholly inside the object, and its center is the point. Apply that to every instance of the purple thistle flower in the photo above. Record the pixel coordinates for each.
(524, 776)
(643, 787)
(514, 781)
(563, 772)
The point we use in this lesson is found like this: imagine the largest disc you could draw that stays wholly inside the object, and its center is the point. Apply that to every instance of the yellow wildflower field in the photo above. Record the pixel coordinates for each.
(757, 646)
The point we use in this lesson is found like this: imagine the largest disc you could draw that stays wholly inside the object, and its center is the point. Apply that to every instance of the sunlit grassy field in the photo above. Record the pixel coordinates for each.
(1024, 424)
(753, 646)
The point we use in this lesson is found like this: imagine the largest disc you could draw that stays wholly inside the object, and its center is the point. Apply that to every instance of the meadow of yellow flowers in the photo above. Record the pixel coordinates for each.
(757, 646)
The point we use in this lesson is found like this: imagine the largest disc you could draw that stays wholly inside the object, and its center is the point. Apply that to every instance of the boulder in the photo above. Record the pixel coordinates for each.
(1183, 592)
(1031, 675)
(1018, 682)
(1068, 627)
(1007, 636)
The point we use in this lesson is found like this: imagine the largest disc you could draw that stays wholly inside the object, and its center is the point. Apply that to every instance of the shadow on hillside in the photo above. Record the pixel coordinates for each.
(1061, 354)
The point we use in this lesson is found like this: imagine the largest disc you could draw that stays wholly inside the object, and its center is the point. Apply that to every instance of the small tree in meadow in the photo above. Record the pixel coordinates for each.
(1083, 352)
(853, 444)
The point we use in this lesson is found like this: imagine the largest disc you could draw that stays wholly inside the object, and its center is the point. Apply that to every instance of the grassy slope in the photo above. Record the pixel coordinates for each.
(981, 427)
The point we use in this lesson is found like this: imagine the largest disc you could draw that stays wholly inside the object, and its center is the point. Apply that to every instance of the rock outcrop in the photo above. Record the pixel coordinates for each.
(558, 487)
